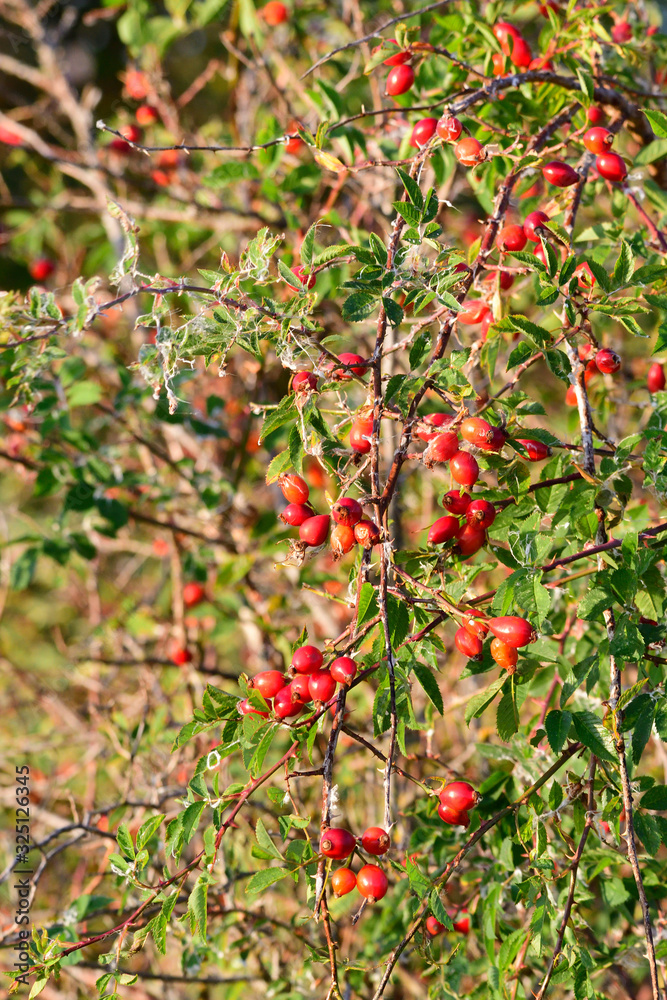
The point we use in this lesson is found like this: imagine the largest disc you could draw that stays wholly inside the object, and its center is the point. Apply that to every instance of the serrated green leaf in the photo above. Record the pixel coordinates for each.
(592, 733)
(265, 878)
(557, 724)
(429, 684)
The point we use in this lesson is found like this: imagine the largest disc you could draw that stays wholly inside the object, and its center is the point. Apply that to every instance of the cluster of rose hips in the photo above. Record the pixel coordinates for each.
(470, 151)
(456, 800)
(338, 843)
(306, 682)
(443, 446)
(350, 528)
(510, 634)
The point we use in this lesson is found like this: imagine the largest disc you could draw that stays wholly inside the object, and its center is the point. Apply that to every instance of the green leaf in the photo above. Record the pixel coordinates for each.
(283, 414)
(429, 684)
(476, 705)
(23, 569)
(438, 910)
(147, 830)
(658, 120)
(593, 603)
(197, 905)
(645, 712)
(267, 877)
(648, 831)
(507, 717)
(359, 306)
(368, 607)
(600, 274)
(191, 817)
(125, 841)
(591, 732)
(557, 725)
(398, 620)
(307, 247)
(655, 798)
(624, 266)
(265, 841)
(412, 188)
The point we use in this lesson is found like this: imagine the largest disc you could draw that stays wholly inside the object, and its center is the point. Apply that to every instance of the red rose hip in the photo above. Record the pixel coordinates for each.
(470, 645)
(607, 361)
(343, 881)
(347, 511)
(459, 795)
(481, 514)
(464, 468)
(372, 883)
(337, 843)
(442, 530)
(343, 670)
(612, 167)
(453, 817)
(422, 132)
(560, 174)
(307, 659)
(515, 631)
(294, 488)
(400, 80)
(375, 840)
(315, 530)
(655, 380)
(598, 140)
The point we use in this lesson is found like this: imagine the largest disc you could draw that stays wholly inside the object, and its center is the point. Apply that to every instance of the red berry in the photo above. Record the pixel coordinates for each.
(441, 448)
(504, 278)
(473, 623)
(343, 670)
(321, 686)
(367, 534)
(481, 514)
(470, 645)
(622, 31)
(146, 115)
(495, 441)
(476, 430)
(245, 708)
(315, 530)
(473, 312)
(304, 382)
(449, 128)
(347, 511)
(455, 502)
(655, 380)
(611, 166)
(422, 132)
(372, 882)
(136, 84)
(268, 683)
(560, 174)
(514, 631)
(307, 659)
(595, 115)
(512, 238)
(469, 151)
(464, 468)
(598, 140)
(9, 138)
(459, 795)
(294, 144)
(376, 840)
(299, 688)
(530, 223)
(541, 63)
(521, 55)
(350, 359)
(462, 923)
(607, 361)
(337, 843)
(180, 656)
(400, 80)
(505, 656)
(285, 705)
(193, 593)
(498, 65)
(305, 279)
(342, 540)
(294, 488)
(433, 926)
(433, 420)
(469, 540)
(274, 13)
(537, 450)
(504, 31)
(296, 513)
(442, 530)
(571, 396)
(343, 881)
(41, 269)
(360, 432)
(453, 817)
